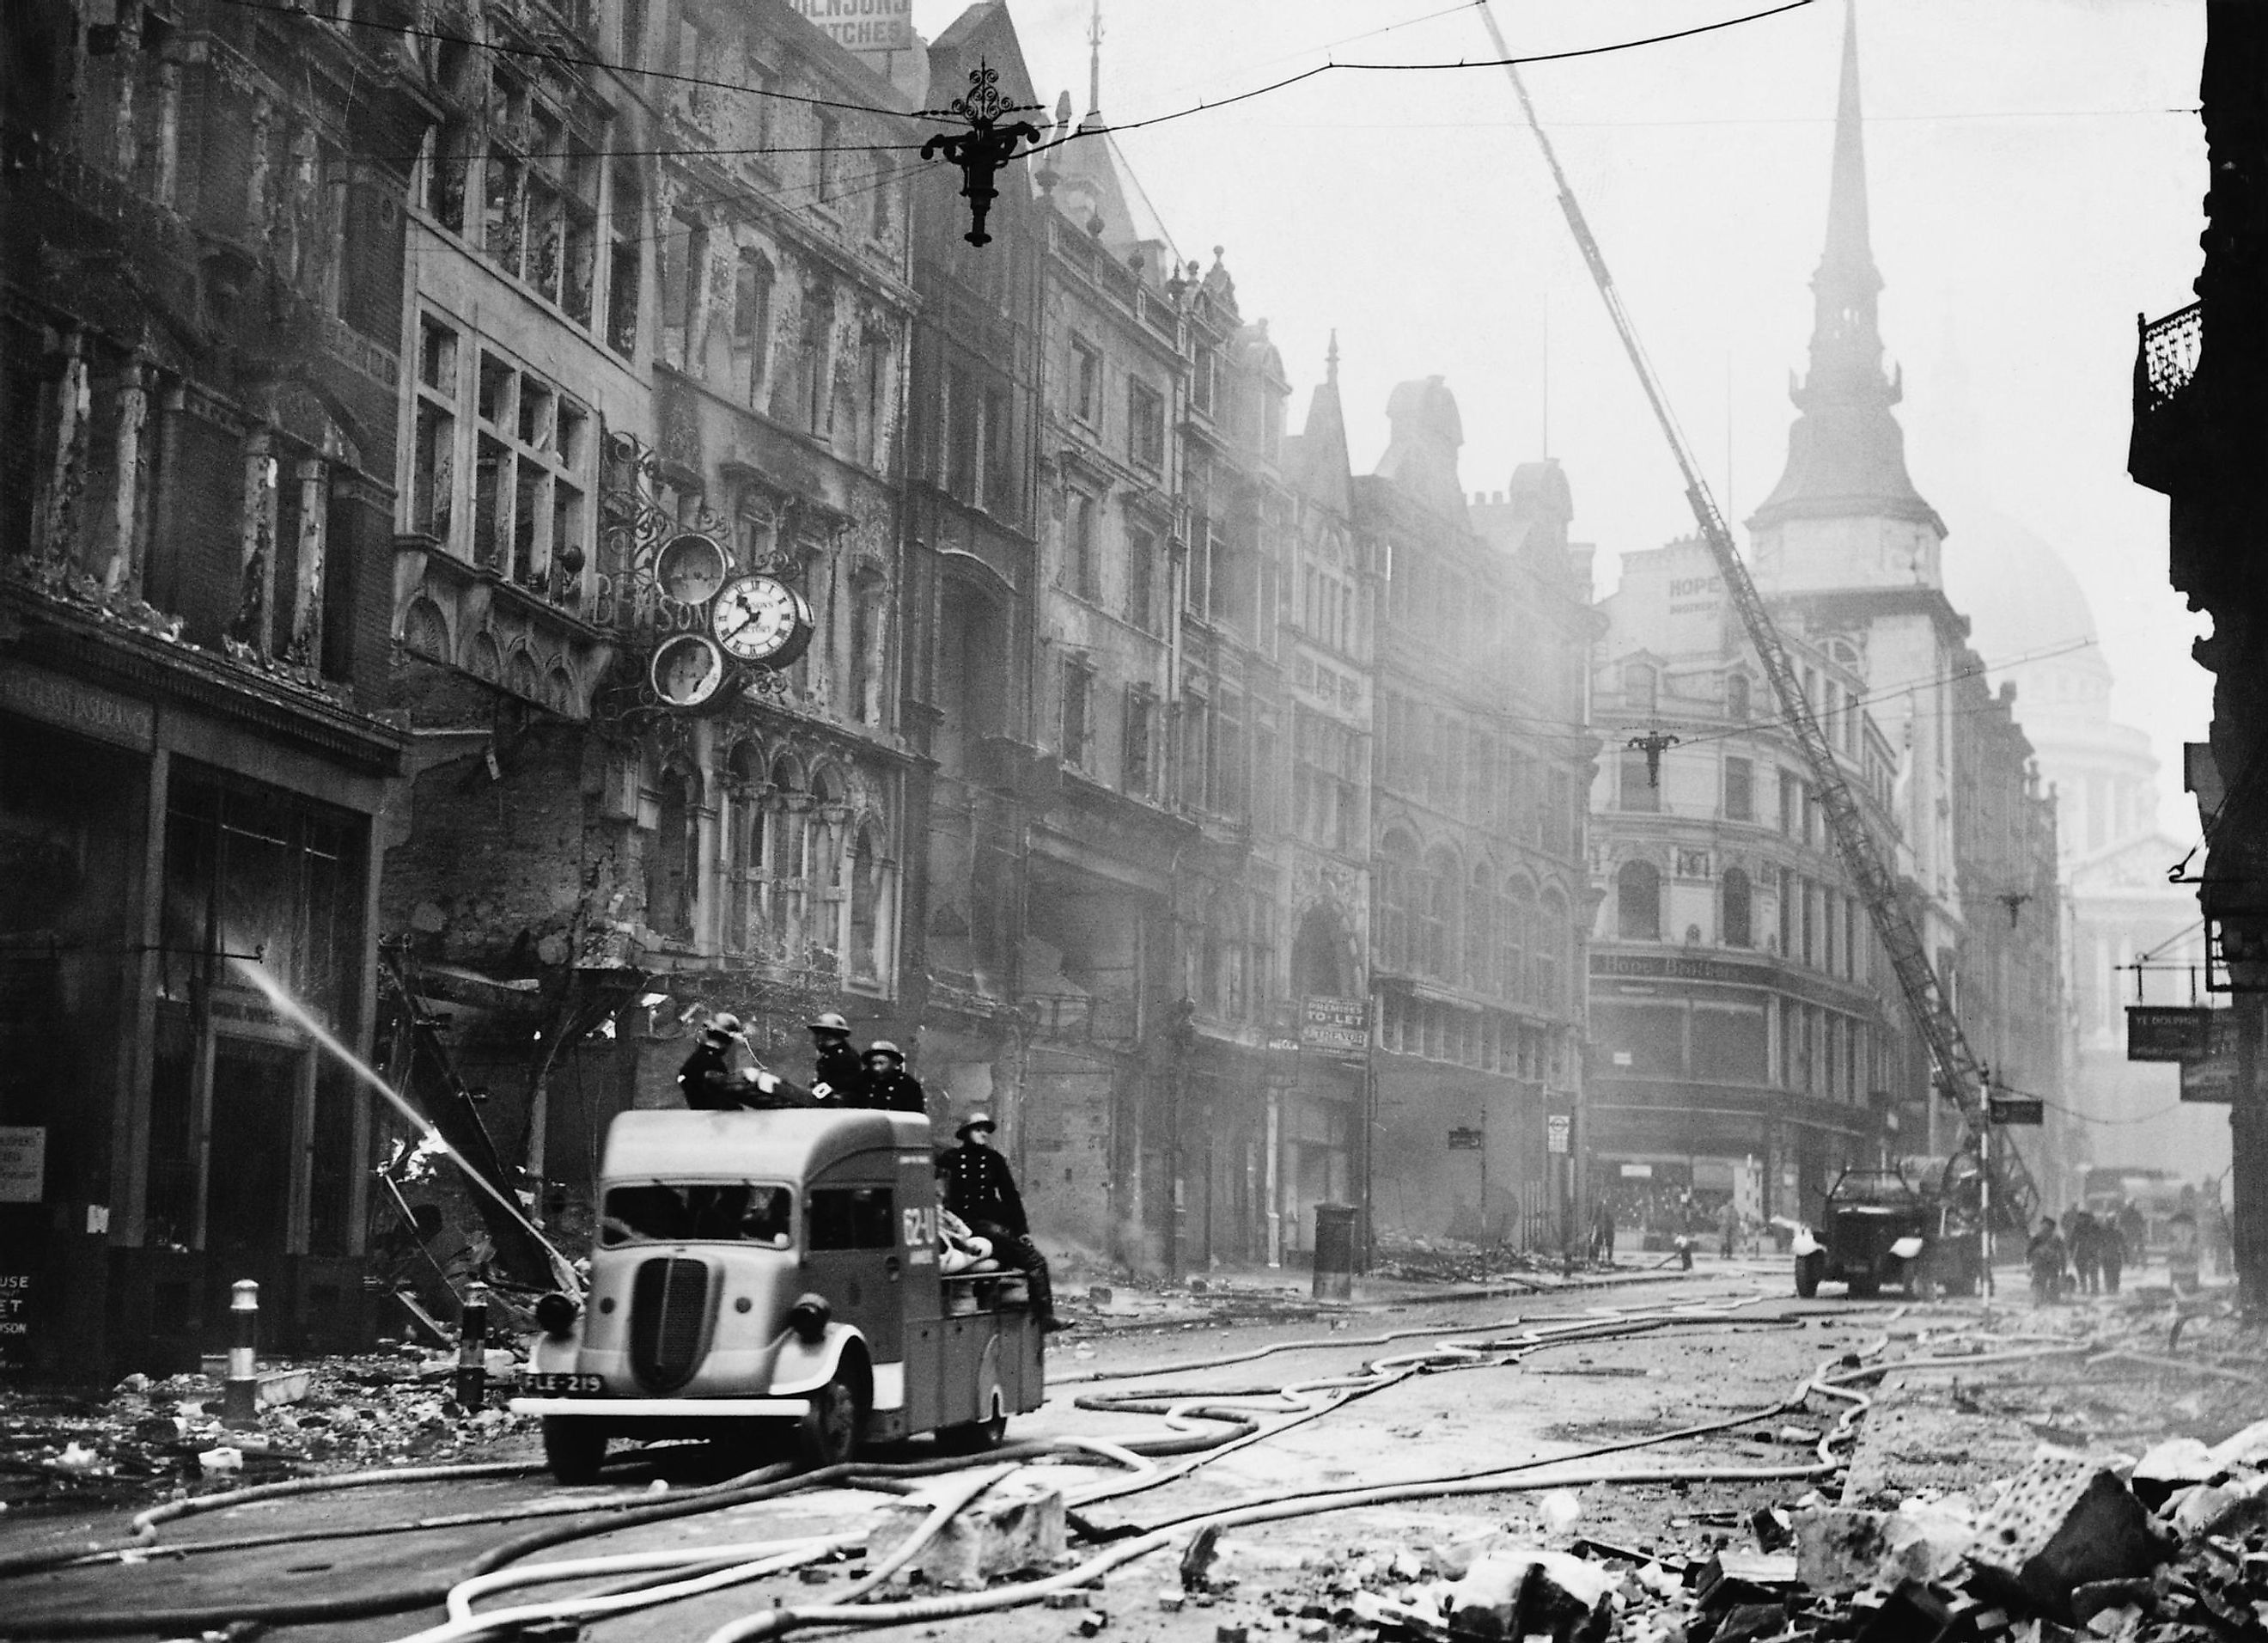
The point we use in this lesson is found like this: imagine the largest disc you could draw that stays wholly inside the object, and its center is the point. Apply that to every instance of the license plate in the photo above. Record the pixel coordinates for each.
(562, 1385)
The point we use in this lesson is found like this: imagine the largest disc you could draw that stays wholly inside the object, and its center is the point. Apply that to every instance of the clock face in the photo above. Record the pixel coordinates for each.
(688, 670)
(690, 567)
(762, 619)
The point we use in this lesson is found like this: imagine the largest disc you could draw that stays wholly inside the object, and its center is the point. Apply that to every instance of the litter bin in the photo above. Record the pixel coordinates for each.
(1334, 1251)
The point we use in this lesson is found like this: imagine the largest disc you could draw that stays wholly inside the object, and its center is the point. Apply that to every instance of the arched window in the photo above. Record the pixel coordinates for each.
(670, 860)
(1519, 938)
(1439, 924)
(1554, 952)
(865, 703)
(1318, 957)
(1480, 931)
(1398, 857)
(1637, 901)
(783, 864)
(425, 630)
(1736, 696)
(744, 852)
(866, 869)
(1735, 927)
(826, 863)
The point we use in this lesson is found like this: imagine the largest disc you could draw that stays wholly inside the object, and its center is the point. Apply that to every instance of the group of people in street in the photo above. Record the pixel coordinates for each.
(840, 1076)
(977, 1187)
(2085, 1254)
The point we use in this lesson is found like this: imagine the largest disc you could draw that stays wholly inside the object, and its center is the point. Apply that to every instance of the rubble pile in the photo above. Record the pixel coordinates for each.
(152, 1440)
(1454, 1261)
(2071, 1550)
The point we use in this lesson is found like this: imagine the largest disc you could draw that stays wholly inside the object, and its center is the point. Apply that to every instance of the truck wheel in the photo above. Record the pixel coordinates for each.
(573, 1448)
(832, 1429)
(1808, 1269)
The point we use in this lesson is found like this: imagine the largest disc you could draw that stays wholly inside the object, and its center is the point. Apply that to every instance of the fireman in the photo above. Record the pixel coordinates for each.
(888, 1085)
(710, 1083)
(836, 1074)
(981, 1189)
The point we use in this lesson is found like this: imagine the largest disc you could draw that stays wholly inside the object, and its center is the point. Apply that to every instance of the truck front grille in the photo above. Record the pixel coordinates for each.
(669, 1322)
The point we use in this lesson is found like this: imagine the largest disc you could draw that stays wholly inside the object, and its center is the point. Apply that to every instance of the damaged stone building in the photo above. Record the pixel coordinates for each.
(660, 329)
(1479, 827)
(201, 213)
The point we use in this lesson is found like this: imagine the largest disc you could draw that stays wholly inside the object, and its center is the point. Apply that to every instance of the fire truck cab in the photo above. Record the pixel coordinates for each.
(777, 1274)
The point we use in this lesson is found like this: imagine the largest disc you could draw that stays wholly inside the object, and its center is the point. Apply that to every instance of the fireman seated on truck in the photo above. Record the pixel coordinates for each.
(710, 1083)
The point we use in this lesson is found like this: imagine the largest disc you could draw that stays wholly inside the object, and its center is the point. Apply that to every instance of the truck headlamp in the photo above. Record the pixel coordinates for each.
(808, 1318)
(555, 1314)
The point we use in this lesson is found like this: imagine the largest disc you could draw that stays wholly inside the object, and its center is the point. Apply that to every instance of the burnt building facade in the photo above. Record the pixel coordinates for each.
(660, 329)
(1480, 926)
(200, 282)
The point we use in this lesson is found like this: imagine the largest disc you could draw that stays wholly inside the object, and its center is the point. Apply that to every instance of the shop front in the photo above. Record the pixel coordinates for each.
(186, 878)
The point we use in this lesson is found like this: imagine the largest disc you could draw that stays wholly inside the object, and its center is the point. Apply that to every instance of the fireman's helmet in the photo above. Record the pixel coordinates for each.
(725, 1026)
(884, 1048)
(832, 1021)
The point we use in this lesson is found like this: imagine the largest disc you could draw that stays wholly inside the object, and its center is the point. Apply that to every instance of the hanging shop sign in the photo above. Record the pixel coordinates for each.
(2018, 1109)
(2167, 1031)
(1462, 1140)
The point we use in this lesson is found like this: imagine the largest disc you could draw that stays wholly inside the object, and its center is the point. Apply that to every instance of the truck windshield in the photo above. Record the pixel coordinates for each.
(689, 1211)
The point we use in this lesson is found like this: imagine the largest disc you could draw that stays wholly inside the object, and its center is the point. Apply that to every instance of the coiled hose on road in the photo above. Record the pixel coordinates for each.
(1229, 1415)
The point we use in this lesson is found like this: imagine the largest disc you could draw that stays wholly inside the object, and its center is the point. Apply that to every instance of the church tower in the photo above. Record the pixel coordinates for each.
(1845, 513)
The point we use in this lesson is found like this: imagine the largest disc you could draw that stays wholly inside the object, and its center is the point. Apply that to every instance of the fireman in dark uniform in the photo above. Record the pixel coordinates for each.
(838, 1075)
(979, 1187)
(888, 1085)
(710, 1083)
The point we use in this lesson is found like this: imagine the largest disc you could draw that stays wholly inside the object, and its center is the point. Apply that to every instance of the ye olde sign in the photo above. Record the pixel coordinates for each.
(2167, 1031)
(1339, 1026)
(863, 25)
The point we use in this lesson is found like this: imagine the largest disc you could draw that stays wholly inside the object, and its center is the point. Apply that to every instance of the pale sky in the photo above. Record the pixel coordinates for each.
(2030, 194)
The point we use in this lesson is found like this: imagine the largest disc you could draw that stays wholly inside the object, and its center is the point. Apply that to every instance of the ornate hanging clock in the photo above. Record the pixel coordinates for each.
(688, 671)
(762, 621)
(690, 567)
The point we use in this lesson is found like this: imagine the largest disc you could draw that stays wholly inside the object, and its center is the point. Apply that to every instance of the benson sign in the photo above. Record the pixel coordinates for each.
(863, 25)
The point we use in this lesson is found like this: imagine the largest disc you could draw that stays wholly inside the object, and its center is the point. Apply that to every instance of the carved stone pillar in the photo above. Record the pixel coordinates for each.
(59, 514)
(166, 167)
(256, 556)
(122, 567)
(307, 643)
(257, 226)
(130, 70)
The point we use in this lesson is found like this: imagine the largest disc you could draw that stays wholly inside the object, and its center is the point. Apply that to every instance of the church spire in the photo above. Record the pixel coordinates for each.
(1846, 340)
(1846, 453)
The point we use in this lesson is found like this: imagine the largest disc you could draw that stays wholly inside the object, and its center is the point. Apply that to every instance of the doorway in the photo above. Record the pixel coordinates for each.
(255, 1087)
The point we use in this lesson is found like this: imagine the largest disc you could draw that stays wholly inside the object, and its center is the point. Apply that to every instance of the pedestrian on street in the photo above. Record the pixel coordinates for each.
(2044, 1255)
(838, 1075)
(2086, 1253)
(887, 1087)
(1602, 1232)
(2111, 1249)
(981, 1189)
(1728, 1228)
(2181, 1250)
(2134, 1232)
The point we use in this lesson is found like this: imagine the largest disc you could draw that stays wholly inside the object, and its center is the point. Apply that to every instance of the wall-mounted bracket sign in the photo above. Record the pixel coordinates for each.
(2169, 1032)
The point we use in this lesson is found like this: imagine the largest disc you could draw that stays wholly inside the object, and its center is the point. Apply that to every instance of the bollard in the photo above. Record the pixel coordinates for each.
(239, 1405)
(472, 1348)
(1334, 1273)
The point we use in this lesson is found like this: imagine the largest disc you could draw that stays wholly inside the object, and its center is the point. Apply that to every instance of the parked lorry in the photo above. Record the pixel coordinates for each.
(775, 1276)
